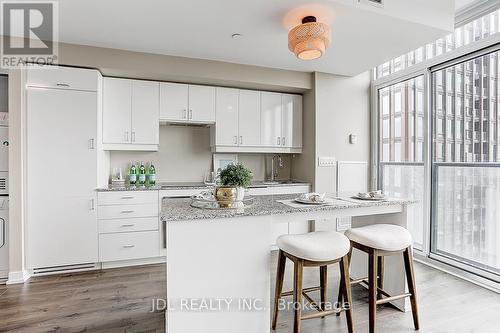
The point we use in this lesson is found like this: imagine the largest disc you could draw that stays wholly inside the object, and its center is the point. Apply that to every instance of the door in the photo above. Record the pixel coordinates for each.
(145, 112)
(249, 118)
(270, 121)
(61, 177)
(226, 125)
(291, 136)
(117, 111)
(173, 101)
(202, 104)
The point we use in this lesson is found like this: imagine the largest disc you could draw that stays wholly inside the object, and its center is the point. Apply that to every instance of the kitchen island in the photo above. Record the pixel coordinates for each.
(218, 266)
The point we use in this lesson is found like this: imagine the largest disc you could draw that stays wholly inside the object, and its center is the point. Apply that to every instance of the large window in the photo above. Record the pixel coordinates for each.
(439, 143)
(466, 134)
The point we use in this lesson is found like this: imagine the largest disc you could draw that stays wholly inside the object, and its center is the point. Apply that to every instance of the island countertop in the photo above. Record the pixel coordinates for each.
(179, 209)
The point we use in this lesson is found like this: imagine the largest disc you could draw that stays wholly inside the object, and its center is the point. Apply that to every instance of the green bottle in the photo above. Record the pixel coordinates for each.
(132, 176)
(142, 175)
(151, 175)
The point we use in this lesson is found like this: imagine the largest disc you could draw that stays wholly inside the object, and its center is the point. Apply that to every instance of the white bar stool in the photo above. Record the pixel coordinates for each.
(315, 249)
(378, 241)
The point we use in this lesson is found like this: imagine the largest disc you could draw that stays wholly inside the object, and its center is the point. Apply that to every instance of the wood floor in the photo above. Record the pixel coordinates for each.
(119, 300)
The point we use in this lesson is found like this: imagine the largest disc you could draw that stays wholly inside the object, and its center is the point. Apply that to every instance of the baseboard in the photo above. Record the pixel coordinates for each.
(134, 262)
(18, 277)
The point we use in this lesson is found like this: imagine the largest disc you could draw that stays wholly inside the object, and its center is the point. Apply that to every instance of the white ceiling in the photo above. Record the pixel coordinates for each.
(362, 35)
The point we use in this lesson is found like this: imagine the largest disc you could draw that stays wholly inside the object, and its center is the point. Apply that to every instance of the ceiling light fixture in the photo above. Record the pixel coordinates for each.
(309, 40)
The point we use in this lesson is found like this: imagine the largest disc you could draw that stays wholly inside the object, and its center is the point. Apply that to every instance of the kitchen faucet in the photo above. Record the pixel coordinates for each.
(274, 171)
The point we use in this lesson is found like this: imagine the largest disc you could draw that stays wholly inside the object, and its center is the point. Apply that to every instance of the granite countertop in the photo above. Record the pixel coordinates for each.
(195, 185)
(179, 209)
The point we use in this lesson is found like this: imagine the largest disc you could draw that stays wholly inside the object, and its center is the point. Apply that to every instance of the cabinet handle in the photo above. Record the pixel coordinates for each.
(4, 229)
(91, 144)
(62, 85)
(190, 114)
(279, 143)
(235, 140)
(128, 246)
(184, 114)
(92, 204)
(283, 141)
(127, 225)
(126, 136)
(127, 211)
(241, 139)
(127, 198)
(133, 136)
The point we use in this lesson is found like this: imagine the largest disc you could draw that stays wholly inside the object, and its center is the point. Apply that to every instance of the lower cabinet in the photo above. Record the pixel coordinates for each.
(128, 225)
(128, 245)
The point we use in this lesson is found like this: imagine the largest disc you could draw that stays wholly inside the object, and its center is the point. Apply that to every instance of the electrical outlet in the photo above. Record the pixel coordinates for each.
(326, 161)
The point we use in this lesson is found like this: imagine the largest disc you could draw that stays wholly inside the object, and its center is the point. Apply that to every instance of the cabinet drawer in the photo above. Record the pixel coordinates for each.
(63, 78)
(128, 225)
(127, 211)
(128, 245)
(127, 198)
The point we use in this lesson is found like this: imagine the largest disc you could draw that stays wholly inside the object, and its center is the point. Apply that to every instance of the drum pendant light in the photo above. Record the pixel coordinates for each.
(309, 40)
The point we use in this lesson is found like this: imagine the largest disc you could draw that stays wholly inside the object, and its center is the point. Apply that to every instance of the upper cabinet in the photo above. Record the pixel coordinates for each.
(257, 122)
(241, 120)
(270, 119)
(291, 130)
(130, 114)
(187, 103)
(249, 118)
(226, 120)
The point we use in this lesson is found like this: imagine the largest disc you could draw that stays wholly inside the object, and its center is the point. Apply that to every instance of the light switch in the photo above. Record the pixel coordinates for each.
(326, 161)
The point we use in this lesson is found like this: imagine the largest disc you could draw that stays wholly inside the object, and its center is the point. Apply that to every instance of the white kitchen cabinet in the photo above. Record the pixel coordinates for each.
(249, 118)
(145, 112)
(187, 103)
(130, 114)
(174, 101)
(128, 225)
(201, 104)
(291, 131)
(61, 222)
(270, 119)
(117, 111)
(226, 117)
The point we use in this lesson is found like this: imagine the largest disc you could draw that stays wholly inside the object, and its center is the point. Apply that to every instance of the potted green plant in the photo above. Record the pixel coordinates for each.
(236, 176)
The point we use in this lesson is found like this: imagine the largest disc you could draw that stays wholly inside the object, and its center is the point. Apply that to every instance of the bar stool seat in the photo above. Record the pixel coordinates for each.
(315, 246)
(386, 237)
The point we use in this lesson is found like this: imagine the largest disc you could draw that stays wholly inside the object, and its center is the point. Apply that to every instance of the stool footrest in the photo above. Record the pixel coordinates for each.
(392, 298)
(321, 314)
(305, 290)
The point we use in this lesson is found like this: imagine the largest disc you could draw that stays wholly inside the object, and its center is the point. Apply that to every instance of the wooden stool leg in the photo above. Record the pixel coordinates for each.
(297, 294)
(410, 278)
(340, 298)
(323, 278)
(380, 274)
(280, 275)
(346, 288)
(372, 289)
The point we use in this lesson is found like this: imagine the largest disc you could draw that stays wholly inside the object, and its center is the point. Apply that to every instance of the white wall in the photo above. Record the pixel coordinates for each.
(342, 106)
